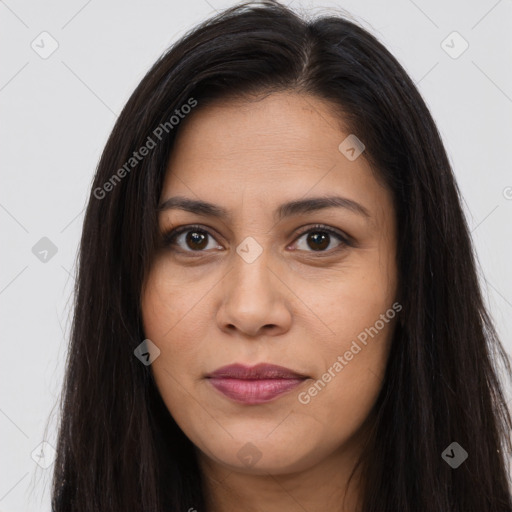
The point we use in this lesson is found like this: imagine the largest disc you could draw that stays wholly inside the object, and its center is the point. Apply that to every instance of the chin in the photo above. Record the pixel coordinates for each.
(264, 457)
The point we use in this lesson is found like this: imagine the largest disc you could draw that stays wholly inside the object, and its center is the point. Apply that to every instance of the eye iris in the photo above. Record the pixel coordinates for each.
(197, 238)
(319, 237)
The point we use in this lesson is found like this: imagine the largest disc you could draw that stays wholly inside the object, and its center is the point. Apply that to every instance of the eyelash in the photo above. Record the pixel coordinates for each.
(169, 237)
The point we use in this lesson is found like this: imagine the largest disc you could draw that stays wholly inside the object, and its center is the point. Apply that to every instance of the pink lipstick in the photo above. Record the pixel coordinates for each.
(254, 385)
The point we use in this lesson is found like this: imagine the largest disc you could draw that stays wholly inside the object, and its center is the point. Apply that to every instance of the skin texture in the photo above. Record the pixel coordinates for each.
(300, 304)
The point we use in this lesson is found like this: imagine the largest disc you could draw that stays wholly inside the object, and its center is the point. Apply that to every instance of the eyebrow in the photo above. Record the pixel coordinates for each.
(283, 211)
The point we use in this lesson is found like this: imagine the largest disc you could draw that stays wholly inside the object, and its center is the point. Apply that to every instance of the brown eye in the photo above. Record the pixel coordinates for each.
(189, 239)
(196, 239)
(319, 238)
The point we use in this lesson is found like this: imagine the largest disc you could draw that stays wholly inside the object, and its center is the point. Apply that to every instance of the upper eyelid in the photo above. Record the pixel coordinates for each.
(173, 233)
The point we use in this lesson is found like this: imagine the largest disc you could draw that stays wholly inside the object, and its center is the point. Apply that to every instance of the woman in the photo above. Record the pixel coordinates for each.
(277, 304)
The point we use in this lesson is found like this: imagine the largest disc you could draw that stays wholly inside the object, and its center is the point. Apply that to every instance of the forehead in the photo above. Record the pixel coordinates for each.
(282, 146)
(274, 130)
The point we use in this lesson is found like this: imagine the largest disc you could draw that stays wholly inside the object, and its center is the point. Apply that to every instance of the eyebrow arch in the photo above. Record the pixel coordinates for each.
(285, 210)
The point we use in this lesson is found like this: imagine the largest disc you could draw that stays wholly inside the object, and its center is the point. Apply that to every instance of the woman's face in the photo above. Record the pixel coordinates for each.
(259, 283)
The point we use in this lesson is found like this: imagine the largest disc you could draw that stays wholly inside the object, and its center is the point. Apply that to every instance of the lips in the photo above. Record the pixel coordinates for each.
(254, 385)
(260, 371)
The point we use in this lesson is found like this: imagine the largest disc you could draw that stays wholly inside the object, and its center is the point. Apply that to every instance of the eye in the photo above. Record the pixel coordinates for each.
(320, 237)
(195, 239)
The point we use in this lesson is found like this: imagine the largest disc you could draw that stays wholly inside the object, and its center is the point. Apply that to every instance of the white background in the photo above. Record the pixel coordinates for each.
(56, 116)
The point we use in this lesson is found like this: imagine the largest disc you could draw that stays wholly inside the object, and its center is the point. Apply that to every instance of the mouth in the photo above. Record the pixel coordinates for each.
(254, 385)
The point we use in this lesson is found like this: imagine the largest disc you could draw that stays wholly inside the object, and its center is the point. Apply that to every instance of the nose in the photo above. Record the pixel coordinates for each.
(254, 299)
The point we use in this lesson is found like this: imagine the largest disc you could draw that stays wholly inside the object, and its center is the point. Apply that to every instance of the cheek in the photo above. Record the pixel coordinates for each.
(345, 391)
(351, 302)
(164, 316)
(358, 310)
(168, 300)
(162, 321)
